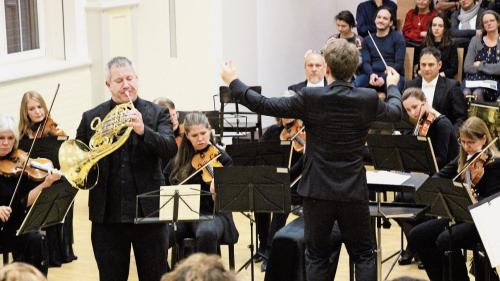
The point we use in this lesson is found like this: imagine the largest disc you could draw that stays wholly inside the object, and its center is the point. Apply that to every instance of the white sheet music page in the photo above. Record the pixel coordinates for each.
(386, 177)
(485, 216)
(189, 205)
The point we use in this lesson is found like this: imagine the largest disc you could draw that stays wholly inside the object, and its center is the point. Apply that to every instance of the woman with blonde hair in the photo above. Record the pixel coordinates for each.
(32, 114)
(431, 239)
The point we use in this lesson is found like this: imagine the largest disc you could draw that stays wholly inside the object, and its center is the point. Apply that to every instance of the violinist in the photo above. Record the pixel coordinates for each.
(32, 114)
(431, 239)
(431, 124)
(199, 140)
(29, 247)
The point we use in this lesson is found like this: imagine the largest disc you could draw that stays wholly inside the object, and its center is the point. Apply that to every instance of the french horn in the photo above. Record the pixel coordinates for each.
(77, 159)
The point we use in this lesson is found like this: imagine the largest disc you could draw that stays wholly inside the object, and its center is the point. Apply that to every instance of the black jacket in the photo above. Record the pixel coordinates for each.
(297, 87)
(337, 119)
(448, 99)
(148, 150)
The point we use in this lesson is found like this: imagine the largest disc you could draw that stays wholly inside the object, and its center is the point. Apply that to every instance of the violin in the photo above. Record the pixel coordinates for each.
(424, 122)
(473, 169)
(206, 160)
(51, 129)
(294, 131)
(37, 169)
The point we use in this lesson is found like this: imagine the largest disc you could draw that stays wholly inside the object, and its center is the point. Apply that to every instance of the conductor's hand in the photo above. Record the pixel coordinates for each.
(5, 213)
(392, 76)
(228, 72)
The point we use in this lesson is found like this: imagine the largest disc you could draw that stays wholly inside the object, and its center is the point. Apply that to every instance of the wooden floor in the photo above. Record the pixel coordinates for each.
(84, 268)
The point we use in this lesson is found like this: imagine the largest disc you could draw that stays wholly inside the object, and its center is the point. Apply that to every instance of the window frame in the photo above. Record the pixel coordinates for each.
(5, 57)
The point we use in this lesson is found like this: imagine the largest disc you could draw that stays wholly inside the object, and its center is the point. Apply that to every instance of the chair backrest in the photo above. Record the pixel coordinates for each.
(460, 52)
(403, 7)
(410, 51)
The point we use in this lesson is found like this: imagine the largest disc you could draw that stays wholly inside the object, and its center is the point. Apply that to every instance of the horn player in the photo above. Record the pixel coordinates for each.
(132, 169)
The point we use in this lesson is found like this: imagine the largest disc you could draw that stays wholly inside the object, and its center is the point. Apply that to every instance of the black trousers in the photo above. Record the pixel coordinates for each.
(354, 223)
(111, 243)
(267, 228)
(431, 239)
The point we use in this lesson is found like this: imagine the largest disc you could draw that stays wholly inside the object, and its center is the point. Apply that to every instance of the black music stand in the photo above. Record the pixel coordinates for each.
(50, 207)
(252, 189)
(447, 199)
(401, 153)
(225, 97)
(261, 153)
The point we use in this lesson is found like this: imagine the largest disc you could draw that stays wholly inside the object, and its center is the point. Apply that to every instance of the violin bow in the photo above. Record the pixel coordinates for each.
(40, 129)
(475, 158)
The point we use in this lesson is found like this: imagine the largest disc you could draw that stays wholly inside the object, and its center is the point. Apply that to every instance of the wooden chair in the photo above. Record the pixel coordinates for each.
(410, 51)
(460, 52)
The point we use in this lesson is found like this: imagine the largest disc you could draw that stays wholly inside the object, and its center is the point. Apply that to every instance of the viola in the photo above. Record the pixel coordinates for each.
(51, 129)
(206, 160)
(37, 169)
(294, 131)
(424, 122)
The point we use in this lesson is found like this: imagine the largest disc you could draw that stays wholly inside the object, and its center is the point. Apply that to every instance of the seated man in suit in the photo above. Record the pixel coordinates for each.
(442, 93)
(391, 45)
(314, 68)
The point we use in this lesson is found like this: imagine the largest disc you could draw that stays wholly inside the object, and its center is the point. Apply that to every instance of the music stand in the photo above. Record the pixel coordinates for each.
(50, 208)
(402, 153)
(405, 154)
(261, 154)
(177, 203)
(250, 189)
(447, 199)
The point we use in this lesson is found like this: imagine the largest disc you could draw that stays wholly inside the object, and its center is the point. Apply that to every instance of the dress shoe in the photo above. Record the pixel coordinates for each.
(406, 258)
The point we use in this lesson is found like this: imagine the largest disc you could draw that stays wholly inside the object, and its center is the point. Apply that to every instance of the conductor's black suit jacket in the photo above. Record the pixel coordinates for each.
(337, 119)
(148, 150)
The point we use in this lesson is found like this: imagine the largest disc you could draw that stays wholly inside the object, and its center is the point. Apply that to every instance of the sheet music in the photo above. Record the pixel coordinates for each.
(189, 193)
(490, 84)
(485, 215)
(386, 177)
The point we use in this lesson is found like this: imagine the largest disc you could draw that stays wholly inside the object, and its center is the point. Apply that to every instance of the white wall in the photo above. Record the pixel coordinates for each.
(266, 39)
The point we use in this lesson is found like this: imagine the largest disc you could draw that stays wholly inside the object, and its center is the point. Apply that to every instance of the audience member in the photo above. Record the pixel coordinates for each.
(366, 13)
(466, 22)
(345, 23)
(200, 267)
(439, 36)
(417, 22)
(392, 47)
(20, 271)
(483, 58)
